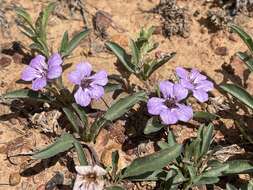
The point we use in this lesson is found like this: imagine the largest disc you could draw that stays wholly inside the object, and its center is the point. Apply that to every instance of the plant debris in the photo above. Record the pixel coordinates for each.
(176, 20)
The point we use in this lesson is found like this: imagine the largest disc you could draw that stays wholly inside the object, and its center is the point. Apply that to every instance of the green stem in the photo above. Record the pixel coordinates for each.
(81, 155)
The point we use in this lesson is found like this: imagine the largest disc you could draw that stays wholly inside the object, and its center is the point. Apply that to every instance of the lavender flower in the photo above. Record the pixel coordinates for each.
(89, 178)
(168, 107)
(196, 82)
(39, 72)
(89, 86)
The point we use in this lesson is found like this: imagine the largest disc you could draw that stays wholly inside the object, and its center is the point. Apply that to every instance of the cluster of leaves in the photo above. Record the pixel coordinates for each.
(233, 89)
(139, 62)
(182, 167)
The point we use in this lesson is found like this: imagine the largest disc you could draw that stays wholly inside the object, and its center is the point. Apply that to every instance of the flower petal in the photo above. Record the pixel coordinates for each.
(100, 171)
(182, 73)
(96, 92)
(100, 78)
(205, 85)
(155, 106)
(55, 60)
(187, 84)
(83, 170)
(78, 183)
(166, 88)
(180, 92)
(29, 74)
(200, 95)
(168, 116)
(196, 77)
(82, 97)
(54, 71)
(38, 62)
(84, 68)
(39, 83)
(75, 77)
(184, 112)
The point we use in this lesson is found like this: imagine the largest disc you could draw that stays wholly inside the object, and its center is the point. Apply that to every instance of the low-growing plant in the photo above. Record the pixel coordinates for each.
(139, 62)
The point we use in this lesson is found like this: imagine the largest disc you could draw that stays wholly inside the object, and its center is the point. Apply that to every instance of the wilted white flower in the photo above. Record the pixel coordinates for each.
(89, 178)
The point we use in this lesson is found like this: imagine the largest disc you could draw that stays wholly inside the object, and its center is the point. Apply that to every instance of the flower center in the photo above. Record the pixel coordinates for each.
(91, 177)
(85, 83)
(170, 103)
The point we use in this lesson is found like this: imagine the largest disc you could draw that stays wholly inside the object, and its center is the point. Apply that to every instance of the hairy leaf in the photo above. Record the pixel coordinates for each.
(246, 59)
(153, 125)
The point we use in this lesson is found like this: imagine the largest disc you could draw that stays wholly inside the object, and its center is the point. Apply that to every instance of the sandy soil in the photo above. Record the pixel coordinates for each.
(202, 50)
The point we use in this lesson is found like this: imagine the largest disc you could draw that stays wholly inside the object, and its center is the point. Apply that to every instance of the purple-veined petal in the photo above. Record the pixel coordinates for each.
(54, 72)
(180, 92)
(75, 77)
(55, 60)
(182, 73)
(84, 68)
(204, 85)
(200, 95)
(100, 78)
(82, 97)
(184, 112)
(39, 83)
(155, 105)
(83, 170)
(38, 63)
(196, 77)
(187, 84)
(168, 116)
(166, 88)
(100, 171)
(96, 92)
(29, 74)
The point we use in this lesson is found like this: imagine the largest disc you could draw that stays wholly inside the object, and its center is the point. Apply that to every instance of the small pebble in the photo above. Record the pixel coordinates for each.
(222, 51)
(5, 61)
(14, 179)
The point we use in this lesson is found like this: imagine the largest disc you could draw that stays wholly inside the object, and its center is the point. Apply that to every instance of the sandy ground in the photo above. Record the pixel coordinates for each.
(200, 50)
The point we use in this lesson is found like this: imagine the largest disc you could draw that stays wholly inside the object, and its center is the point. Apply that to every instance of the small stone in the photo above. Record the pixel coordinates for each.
(5, 61)
(222, 51)
(14, 179)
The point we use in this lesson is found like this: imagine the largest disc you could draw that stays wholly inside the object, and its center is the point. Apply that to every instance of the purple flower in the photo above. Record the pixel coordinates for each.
(168, 107)
(196, 82)
(89, 86)
(39, 72)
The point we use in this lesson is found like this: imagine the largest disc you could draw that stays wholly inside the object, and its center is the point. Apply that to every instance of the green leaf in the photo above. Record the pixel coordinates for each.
(74, 42)
(205, 115)
(215, 171)
(238, 167)
(207, 180)
(123, 105)
(115, 160)
(153, 125)
(246, 59)
(244, 36)
(110, 87)
(95, 128)
(154, 175)
(157, 64)
(81, 113)
(239, 93)
(27, 93)
(46, 13)
(73, 119)
(64, 42)
(62, 144)
(115, 188)
(121, 54)
(80, 152)
(25, 16)
(171, 138)
(230, 187)
(135, 54)
(163, 145)
(206, 136)
(152, 162)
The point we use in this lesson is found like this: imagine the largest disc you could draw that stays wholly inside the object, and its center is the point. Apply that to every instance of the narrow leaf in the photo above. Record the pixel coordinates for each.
(230, 187)
(246, 59)
(73, 119)
(27, 93)
(64, 42)
(25, 16)
(80, 152)
(152, 162)
(239, 93)
(135, 53)
(206, 137)
(62, 144)
(121, 55)
(81, 113)
(153, 125)
(238, 167)
(123, 105)
(111, 87)
(73, 43)
(205, 115)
